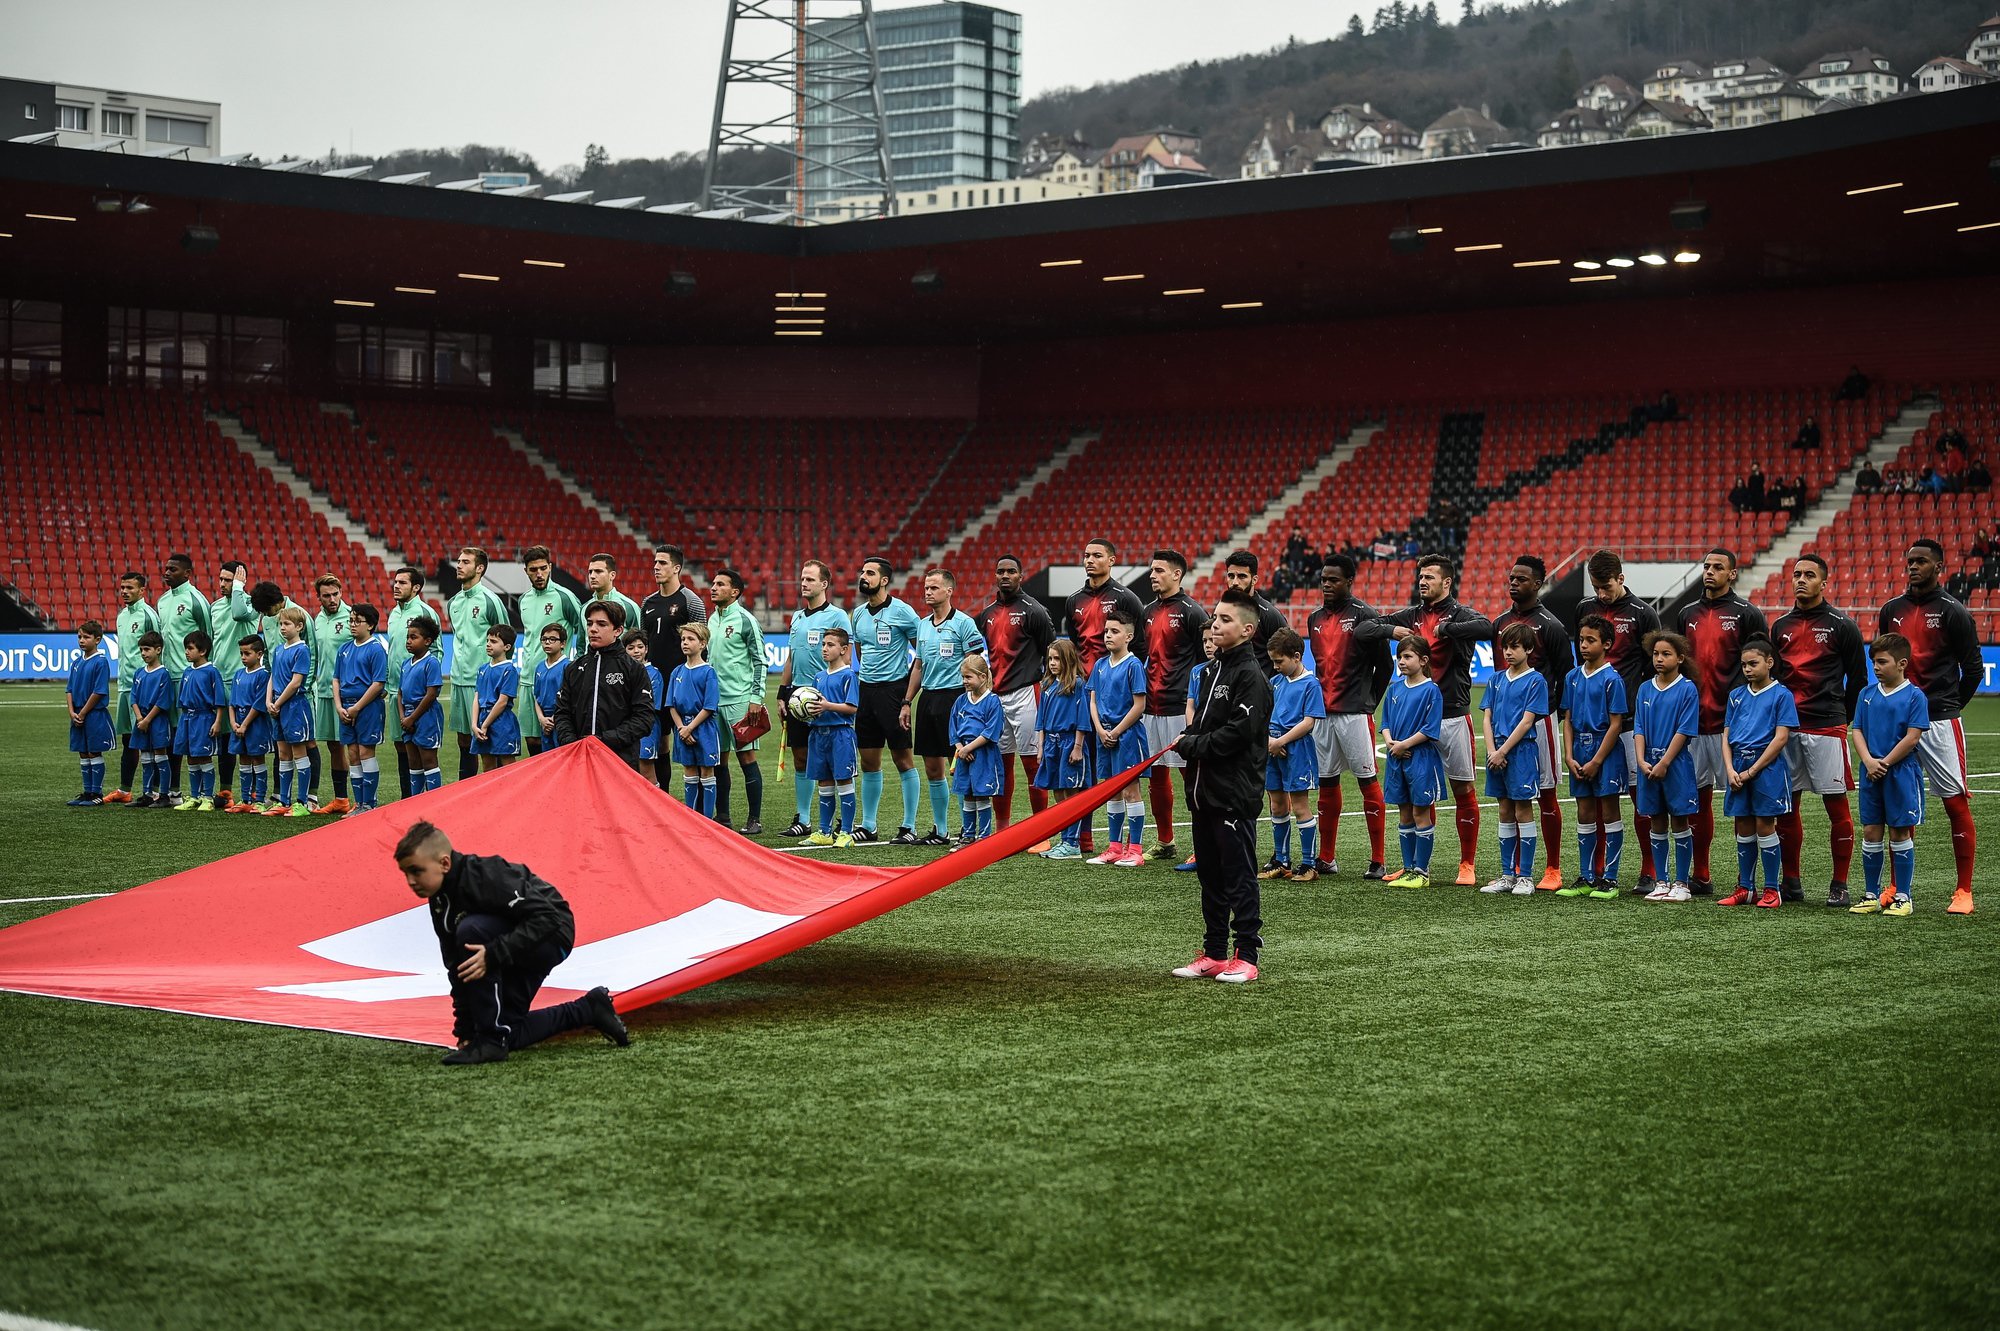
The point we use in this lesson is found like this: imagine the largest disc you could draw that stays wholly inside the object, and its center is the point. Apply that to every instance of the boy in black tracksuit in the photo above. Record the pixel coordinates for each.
(1225, 750)
(501, 930)
(606, 693)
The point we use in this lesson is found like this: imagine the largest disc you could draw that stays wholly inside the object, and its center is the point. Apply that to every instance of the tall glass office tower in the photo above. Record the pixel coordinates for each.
(951, 88)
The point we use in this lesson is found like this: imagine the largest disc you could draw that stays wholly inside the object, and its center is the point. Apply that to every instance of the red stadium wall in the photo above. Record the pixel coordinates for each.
(1919, 331)
(798, 381)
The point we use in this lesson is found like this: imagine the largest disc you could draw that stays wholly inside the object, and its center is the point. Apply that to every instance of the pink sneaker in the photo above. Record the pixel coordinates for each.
(1238, 971)
(1113, 853)
(1133, 858)
(1203, 967)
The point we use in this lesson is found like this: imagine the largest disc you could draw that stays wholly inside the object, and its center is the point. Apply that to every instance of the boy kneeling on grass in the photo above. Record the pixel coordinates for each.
(502, 930)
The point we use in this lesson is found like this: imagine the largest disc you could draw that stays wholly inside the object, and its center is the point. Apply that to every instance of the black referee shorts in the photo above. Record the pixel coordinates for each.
(879, 723)
(796, 732)
(934, 722)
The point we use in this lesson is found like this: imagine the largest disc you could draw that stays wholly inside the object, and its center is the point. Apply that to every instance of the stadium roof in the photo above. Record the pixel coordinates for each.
(1782, 213)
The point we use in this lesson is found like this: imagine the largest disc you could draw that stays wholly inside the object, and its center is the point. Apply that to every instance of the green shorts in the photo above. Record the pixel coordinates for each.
(392, 719)
(524, 712)
(326, 721)
(464, 708)
(121, 712)
(729, 716)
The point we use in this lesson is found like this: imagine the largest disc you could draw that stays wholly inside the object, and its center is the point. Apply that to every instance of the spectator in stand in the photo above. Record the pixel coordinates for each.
(1951, 439)
(1666, 409)
(1855, 386)
(1808, 436)
(1930, 482)
(1951, 467)
(1981, 549)
(1754, 486)
(1784, 498)
(1978, 480)
(1739, 496)
(1869, 481)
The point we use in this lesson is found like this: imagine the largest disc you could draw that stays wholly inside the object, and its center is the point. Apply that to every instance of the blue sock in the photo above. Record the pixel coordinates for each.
(1683, 855)
(1426, 840)
(847, 809)
(1308, 842)
(1660, 840)
(285, 781)
(434, 779)
(1586, 850)
(1135, 824)
(1525, 838)
(826, 809)
(986, 820)
(1115, 822)
(965, 820)
(1903, 864)
(871, 798)
(83, 767)
(941, 804)
(691, 792)
(1510, 845)
(1746, 861)
(1871, 868)
(208, 781)
(1773, 856)
(1614, 849)
(1406, 842)
(910, 781)
(1281, 839)
(708, 797)
(802, 794)
(1072, 834)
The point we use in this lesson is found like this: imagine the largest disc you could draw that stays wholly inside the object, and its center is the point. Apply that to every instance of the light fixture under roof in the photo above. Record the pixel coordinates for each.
(1930, 207)
(1619, 261)
(1688, 256)
(359, 304)
(1597, 277)
(795, 332)
(1124, 277)
(1874, 189)
(1588, 265)
(544, 263)
(1981, 226)
(418, 291)
(799, 295)
(800, 309)
(1061, 263)
(799, 321)
(1243, 305)
(480, 277)
(1536, 263)
(49, 217)
(1474, 249)
(1184, 291)
(1652, 260)
(1430, 231)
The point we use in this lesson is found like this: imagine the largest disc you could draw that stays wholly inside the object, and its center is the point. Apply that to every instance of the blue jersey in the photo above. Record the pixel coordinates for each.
(359, 665)
(692, 690)
(842, 686)
(1883, 718)
(1510, 698)
(548, 682)
(1754, 717)
(885, 639)
(983, 772)
(288, 660)
(419, 675)
(943, 648)
(1292, 701)
(1115, 684)
(1195, 672)
(1061, 713)
(1413, 709)
(1662, 714)
(90, 676)
(807, 627)
(201, 692)
(1590, 700)
(153, 688)
(246, 695)
(497, 679)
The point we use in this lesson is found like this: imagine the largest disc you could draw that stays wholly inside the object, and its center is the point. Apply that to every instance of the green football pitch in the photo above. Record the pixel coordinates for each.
(994, 1108)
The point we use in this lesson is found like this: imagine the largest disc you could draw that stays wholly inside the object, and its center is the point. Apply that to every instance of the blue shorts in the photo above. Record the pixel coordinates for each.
(1297, 770)
(1520, 777)
(706, 751)
(830, 753)
(979, 776)
(649, 745)
(193, 735)
(1669, 794)
(428, 733)
(94, 735)
(156, 738)
(1129, 751)
(295, 721)
(255, 741)
(1057, 772)
(1611, 779)
(503, 737)
(1897, 800)
(366, 727)
(1417, 779)
(1769, 795)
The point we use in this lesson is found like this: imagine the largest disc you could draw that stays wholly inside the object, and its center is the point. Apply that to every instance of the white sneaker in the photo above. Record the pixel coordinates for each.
(1501, 884)
(1678, 892)
(1524, 887)
(1660, 893)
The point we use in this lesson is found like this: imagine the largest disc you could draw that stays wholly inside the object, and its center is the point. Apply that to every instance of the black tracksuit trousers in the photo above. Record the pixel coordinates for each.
(1225, 857)
(493, 1009)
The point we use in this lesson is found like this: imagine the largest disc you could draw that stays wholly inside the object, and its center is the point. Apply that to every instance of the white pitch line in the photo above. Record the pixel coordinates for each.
(17, 1322)
(19, 901)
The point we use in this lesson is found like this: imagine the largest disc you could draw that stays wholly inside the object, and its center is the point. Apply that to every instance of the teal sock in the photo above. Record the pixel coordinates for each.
(910, 781)
(871, 798)
(941, 804)
(802, 795)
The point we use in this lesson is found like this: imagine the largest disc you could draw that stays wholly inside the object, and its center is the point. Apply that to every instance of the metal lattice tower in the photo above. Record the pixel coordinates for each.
(806, 82)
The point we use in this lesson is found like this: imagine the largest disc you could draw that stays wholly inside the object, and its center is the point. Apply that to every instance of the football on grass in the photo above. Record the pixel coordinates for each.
(801, 702)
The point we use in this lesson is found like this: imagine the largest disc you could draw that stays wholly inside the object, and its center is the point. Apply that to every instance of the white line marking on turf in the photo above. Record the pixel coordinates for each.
(16, 1322)
(17, 901)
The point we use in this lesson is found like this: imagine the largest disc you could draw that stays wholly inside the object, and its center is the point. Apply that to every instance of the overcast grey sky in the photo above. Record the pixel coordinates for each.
(542, 76)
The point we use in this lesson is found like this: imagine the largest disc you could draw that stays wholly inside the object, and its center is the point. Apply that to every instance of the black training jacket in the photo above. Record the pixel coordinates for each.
(489, 885)
(1225, 743)
(606, 694)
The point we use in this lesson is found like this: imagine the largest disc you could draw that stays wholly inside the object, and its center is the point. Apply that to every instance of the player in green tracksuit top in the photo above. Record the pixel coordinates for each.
(230, 620)
(329, 632)
(736, 650)
(601, 576)
(406, 602)
(475, 609)
(135, 619)
(545, 602)
(182, 610)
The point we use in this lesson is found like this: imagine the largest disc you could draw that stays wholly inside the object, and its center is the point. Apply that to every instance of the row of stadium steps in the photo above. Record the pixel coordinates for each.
(233, 429)
(1004, 463)
(1211, 472)
(766, 495)
(597, 454)
(94, 481)
(1663, 493)
(518, 440)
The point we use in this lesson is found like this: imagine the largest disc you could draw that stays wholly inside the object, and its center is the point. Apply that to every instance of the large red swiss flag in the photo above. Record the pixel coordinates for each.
(319, 931)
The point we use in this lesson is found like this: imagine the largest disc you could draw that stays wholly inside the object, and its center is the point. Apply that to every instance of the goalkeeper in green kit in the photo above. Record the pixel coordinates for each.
(736, 650)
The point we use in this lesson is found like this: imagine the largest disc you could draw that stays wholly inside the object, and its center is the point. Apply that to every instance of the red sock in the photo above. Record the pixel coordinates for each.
(1552, 829)
(1964, 838)
(1467, 805)
(1791, 838)
(1704, 830)
(1003, 808)
(1160, 786)
(1329, 819)
(1375, 813)
(1038, 799)
(1642, 827)
(1842, 819)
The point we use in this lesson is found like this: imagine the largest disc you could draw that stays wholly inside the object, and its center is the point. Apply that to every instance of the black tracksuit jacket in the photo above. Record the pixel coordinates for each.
(1225, 743)
(606, 694)
(489, 885)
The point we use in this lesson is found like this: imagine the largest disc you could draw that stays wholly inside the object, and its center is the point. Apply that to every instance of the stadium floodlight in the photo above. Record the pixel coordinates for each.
(1588, 265)
(200, 239)
(1406, 240)
(1689, 216)
(1652, 259)
(1619, 261)
(108, 203)
(680, 283)
(927, 280)
(1688, 256)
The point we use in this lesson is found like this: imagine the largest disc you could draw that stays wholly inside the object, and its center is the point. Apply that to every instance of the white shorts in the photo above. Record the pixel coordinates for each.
(1544, 737)
(1161, 732)
(1708, 769)
(1345, 742)
(1018, 734)
(1820, 763)
(1629, 742)
(1455, 744)
(1942, 752)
